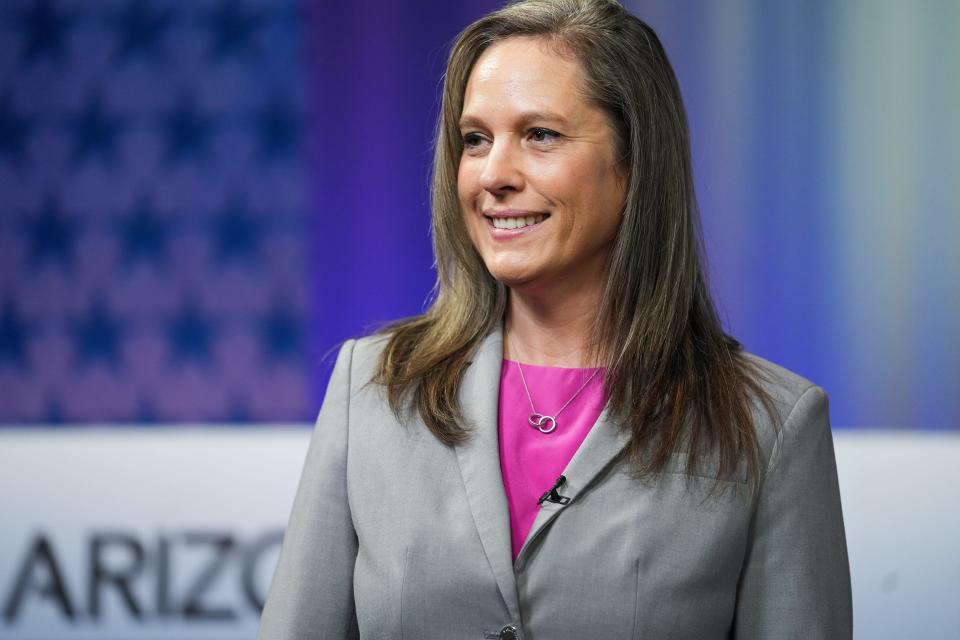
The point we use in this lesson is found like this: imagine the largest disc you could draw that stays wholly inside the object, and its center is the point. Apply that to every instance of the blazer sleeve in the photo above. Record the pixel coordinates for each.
(311, 595)
(795, 582)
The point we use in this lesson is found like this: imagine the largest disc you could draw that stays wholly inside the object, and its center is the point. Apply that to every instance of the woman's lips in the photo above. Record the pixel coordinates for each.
(508, 224)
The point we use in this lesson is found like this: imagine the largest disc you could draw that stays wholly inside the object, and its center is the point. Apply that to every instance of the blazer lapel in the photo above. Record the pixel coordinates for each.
(602, 445)
(479, 461)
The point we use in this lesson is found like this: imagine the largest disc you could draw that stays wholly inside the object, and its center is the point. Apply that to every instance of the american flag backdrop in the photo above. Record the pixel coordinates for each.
(153, 212)
(200, 198)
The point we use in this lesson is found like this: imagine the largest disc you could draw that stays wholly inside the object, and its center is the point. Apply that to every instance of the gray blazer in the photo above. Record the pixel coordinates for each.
(395, 535)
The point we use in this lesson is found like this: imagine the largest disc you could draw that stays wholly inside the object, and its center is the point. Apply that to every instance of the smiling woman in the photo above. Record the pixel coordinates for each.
(534, 148)
(566, 444)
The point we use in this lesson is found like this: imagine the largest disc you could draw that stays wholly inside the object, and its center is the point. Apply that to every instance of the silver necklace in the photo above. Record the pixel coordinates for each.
(543, 422)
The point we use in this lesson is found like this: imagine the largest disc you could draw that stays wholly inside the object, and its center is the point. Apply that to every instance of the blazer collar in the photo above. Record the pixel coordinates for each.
(479, 461)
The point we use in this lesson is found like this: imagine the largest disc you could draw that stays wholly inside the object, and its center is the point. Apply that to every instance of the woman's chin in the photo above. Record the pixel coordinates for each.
(514, 278)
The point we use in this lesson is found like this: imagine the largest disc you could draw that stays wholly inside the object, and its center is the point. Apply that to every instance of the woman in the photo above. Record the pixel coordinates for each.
(566, 444)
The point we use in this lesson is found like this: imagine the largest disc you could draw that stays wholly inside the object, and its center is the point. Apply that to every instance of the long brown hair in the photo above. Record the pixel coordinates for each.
(674, 378)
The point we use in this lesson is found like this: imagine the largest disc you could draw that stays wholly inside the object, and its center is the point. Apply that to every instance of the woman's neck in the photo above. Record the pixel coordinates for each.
(550, 330)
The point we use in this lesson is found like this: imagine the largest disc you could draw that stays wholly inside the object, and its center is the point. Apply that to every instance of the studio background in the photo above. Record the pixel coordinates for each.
(200, 200)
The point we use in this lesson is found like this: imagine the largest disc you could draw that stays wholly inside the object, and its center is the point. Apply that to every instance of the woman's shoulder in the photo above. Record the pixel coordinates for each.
(369, 347)
(363, 354)
(798, 405)
(784, 386)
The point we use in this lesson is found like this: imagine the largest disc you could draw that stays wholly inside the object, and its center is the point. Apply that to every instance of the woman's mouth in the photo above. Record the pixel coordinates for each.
(516, 222)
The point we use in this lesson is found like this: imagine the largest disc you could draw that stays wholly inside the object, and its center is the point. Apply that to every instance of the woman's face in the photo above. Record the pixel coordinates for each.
(538, 181)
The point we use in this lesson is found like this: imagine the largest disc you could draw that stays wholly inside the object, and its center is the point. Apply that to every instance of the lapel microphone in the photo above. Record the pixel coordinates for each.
(552, 495)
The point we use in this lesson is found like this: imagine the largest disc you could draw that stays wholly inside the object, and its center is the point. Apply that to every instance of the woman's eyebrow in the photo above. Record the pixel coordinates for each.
(470, 121)
(523, 118)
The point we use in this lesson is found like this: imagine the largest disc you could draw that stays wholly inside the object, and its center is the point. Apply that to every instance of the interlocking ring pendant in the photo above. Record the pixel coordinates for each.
(538, 421)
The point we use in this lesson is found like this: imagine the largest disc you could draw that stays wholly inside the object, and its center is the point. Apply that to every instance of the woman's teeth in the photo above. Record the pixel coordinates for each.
(517, 223)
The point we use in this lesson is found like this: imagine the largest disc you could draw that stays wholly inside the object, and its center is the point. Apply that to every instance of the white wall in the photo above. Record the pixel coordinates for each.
(901, 505)
(205, 508)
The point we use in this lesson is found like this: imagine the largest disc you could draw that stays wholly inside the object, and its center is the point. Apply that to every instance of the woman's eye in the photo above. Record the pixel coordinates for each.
(540, 134)
(472, 140)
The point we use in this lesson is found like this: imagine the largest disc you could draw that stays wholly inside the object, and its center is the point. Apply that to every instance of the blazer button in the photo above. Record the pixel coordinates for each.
(509, 632)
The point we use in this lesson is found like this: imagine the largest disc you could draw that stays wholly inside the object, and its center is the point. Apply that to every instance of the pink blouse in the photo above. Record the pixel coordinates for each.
(531, 461)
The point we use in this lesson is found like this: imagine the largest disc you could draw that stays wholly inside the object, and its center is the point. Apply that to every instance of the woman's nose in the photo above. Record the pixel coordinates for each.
(501, 171)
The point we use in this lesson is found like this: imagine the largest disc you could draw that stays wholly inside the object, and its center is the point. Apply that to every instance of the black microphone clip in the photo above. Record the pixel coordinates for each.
(552, 495)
